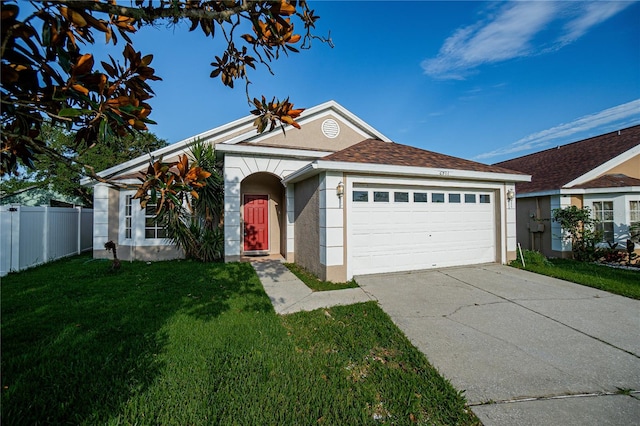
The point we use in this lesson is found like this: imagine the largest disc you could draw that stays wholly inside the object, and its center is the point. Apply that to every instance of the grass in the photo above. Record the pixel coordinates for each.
(618, 281)
(180, 342)
(316, 284)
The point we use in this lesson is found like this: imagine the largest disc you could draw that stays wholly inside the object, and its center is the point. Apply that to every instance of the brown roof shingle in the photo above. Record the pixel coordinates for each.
(610, 181)
(553, 168)
(372, 151)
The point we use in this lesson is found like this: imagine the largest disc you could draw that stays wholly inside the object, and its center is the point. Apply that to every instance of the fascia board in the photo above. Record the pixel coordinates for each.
(357, 120)
(325, 109)
(215, 133)
(269, 151)
(301, 174)
(85, 181)
(602, 169)
(580, 191)
(538, 194)
(384, 169)
(176, 148)
(143, 160)
(116, 184)
(129, 182)
(245, 123)
(610, 190)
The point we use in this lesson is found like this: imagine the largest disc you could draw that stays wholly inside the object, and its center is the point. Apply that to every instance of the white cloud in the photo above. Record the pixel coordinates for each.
(591, 14)
(628, 114)
(512, 32)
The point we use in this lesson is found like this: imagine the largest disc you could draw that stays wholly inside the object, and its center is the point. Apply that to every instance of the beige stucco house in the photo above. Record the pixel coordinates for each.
(337, 197)
(602, 173)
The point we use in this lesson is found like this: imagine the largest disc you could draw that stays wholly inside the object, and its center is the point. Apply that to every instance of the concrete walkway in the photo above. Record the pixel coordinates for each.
(288, 294)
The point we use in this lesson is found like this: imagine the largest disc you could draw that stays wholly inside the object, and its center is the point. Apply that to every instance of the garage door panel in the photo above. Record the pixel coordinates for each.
(402, 216)
(478, 236)
(380, 240)
(389, 236)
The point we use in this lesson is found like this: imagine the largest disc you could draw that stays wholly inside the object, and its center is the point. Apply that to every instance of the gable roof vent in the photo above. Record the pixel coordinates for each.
(330, 128)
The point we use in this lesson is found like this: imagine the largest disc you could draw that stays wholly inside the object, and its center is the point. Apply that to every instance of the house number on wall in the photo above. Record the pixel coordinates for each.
(444, 173)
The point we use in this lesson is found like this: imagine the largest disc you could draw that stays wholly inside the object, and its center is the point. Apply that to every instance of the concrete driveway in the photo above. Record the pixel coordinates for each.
(526, 349)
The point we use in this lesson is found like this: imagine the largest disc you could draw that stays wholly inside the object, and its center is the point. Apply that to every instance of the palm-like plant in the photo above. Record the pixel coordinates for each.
(196, 227)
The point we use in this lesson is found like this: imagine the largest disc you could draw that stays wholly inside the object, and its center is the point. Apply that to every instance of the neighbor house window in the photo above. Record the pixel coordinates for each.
(127, 216)
(380, 197)
(634, 216)
(469, 198)
(485, 199)
(360, 196)
(152, 229)
(603, 213)
(401, 197)
(454, 198)
(437, 197)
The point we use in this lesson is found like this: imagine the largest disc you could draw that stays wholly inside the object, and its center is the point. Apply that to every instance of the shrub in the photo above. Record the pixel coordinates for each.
(197, 228)
(581, 232)
(612, 254)
(531, 258)
(631, 256)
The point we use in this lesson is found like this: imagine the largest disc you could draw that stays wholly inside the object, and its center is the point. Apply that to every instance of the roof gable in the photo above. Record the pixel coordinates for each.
(372, 151)
(571, 164)
(610, 181)
(243, 132)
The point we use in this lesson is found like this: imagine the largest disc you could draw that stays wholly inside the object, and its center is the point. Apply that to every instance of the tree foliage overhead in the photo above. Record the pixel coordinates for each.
(48, 74)
(52, 173)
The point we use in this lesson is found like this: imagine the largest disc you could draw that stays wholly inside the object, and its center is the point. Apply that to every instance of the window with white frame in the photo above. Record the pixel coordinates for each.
(152, 229)
(139, 224)
(603, 213)
(128, 217)
(360, 196)
(634, 217)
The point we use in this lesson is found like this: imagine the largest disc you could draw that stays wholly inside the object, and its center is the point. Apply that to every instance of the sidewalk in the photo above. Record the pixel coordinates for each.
(288, 294)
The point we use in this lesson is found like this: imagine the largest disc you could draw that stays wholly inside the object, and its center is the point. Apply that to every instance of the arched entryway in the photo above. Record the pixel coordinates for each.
(262, 198)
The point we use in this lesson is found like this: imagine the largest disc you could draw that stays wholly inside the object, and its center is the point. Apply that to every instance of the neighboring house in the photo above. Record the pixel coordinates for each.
(38, 195)
(602, 173)
(336, 197)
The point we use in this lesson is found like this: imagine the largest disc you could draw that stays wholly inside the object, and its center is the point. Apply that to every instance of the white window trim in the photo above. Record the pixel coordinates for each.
(614, 237)
(628, 218)
(137, 225)
(621, 211)
(428, 190)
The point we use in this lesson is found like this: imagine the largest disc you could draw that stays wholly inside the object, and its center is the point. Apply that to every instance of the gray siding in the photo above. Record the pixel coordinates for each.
(307, 228)
(531, 212)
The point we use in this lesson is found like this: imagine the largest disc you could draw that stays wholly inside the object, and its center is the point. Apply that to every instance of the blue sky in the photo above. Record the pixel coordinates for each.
(486, 81)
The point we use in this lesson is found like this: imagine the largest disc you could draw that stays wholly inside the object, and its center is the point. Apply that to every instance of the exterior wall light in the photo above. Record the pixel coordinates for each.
(340, 190)
(511, 194)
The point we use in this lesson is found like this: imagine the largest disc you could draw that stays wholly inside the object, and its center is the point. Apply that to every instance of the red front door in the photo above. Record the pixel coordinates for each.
(256, 222)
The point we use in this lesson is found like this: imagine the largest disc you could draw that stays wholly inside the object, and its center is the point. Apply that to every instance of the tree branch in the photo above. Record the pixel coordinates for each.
(150, 14)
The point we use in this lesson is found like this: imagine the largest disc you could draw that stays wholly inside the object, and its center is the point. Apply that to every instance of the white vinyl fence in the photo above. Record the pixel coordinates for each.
(30, 236)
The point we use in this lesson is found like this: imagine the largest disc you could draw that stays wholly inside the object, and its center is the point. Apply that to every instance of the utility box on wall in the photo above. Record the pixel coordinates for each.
(536, 226)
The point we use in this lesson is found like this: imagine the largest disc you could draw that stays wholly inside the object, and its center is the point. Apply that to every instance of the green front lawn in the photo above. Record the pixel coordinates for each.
(190, 343)
(618, 281)
(316, 284)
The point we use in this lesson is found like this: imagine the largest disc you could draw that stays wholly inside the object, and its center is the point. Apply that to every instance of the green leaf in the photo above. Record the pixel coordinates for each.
(102, 131)
(72, 112)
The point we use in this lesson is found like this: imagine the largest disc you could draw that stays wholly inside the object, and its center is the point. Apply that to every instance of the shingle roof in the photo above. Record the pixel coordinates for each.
(372, 151)
(610, 181)
(553, 168)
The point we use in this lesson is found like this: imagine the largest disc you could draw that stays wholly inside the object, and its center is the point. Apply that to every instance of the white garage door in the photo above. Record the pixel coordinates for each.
(395, 229)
